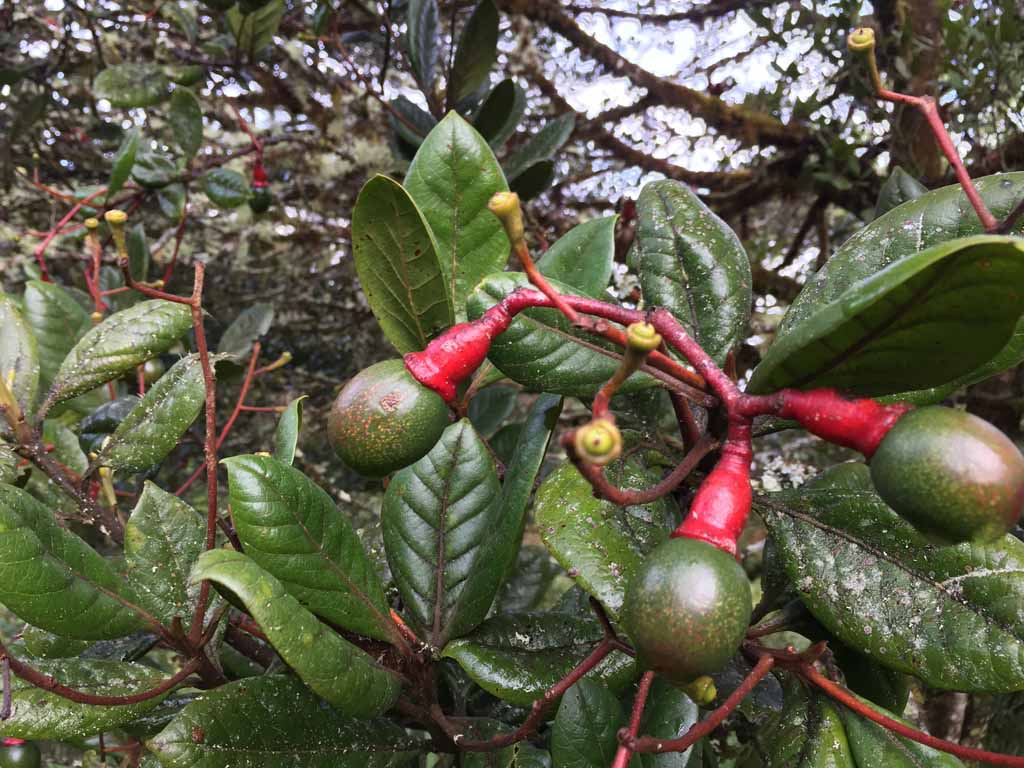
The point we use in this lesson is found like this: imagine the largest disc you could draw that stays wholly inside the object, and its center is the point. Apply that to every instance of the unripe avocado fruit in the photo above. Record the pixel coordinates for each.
(383, 420)
(951, 474)
(24, 755)
(687, 609)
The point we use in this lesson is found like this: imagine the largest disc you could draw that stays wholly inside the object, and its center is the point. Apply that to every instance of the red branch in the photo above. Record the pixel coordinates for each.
(623, 753)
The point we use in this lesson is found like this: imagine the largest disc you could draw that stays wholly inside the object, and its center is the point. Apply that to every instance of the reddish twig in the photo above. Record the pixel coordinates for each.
(6, 705)
(41, 248)
(624, 753)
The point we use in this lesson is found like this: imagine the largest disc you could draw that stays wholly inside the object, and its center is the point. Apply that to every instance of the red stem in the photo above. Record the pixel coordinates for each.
(623, 753)
(41, 249)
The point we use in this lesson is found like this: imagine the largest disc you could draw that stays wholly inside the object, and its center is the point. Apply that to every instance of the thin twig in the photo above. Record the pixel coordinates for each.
(624, 753)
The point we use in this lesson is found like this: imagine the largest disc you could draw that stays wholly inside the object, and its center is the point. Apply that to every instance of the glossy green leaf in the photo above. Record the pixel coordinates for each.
(599, 543)
(899, 188)
(138, 252)
(153, 168)
(294, 530)
(415, 123)
(490, 407)
(396, 258)
(186, 119)
(584, 734)
(881, 685)
(124, 159)
(452, 178)
(498, 116)
(255, 31)
(226, 188)
(162, 541)
(669, 714)
(251, 325)
(57, 322)
(948, 615)
(922, 321)
(810, 733)
(421, 41)
(39, 714)
(476, 52)
(51, 578)
(67, 451)
(286, 435)
(691, 263)
(151, 431)
(118, 344)
(534, 179)
(19, 355)
(275, 722)
(171, 200)
(530, 583)
(583, 256)
(438, 519)
(541, 146)
(936, 217)
(343, 674)
(871, 744)
(131, 85)
(540, 350)
(517, 657)
(46, 645)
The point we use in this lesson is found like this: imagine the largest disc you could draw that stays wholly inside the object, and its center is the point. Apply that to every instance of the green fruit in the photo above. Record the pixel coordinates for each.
(951, 474)
(259, 199)
(24, 755)
(153, 370)
(384, 419)
(687, 609)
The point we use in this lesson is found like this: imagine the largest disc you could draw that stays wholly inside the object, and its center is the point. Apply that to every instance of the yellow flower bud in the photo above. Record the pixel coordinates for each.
(505, 205)
(642, 337)
(598, 442)
(861, 39)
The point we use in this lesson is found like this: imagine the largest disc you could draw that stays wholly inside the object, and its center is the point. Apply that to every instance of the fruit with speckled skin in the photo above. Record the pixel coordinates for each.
(687, 609)
(19, 755)
(153, 370)
(951, 474)
(383, 420)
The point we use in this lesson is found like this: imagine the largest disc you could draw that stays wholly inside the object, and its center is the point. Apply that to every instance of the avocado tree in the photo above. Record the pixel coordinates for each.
(532, 420)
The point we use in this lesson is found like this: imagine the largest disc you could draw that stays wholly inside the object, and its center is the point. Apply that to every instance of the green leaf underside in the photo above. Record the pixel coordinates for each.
(251, 325)
(948, 615)
(438, 520)
(583, 257)
(18, 353)
(899, 188)
(294, 530)
(39, 714)
(131, 85)
(421, 41)
(451, 179)
(669, 714)
(57, 322)
(541, 352)
(115, 346)
(275, 722)
(584, 734)
(162, 541)
(52, 579)
(289, 427)
(517, 657)
(396, 258)
(498, 116)
(345, 676)
(810, 733)
(920, 322)
(153, 427)
(124, 159)
(691, 263)
(255, 31)
(476, 52)
(186, 119)
(541, 146)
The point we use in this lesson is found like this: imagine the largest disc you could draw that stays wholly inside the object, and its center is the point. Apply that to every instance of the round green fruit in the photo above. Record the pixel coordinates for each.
(259, 198)
(23, 755)
(951, 474)
(687, 609)
(383, 420)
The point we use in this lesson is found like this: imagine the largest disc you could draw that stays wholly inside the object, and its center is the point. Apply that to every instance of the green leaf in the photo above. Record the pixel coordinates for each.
(584, 734)
(154, 426)
(131, 85)
(138, 251)
(275, 722)
(476, 52)
(251, 325)
(286, 435)
(171, 200)
(936, 217)
(416, 122)
(19, 355)
(421, 41)
(186, 120)
(46, 645)
(498, 116)
(948, 615)
(669, 714)
(541, 146)
(899, 188)
(438, 521)
(490, 407)
(691, 263)
(534, 179)
(226, 188)
(541, 351)
(451, 179)
(51, 578)
(162, 541)
(871, 744)
(124, 159)
(153, 168)
(529, 585)
(920, 322)
(57, 322)
(255, 31)
(599, 543)
(396, 259)
(293, 529)
(810, 734)
(345, 676)
(118, 344)
(39, 714)
(583, 256)
(517, 657)
(67, 451)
